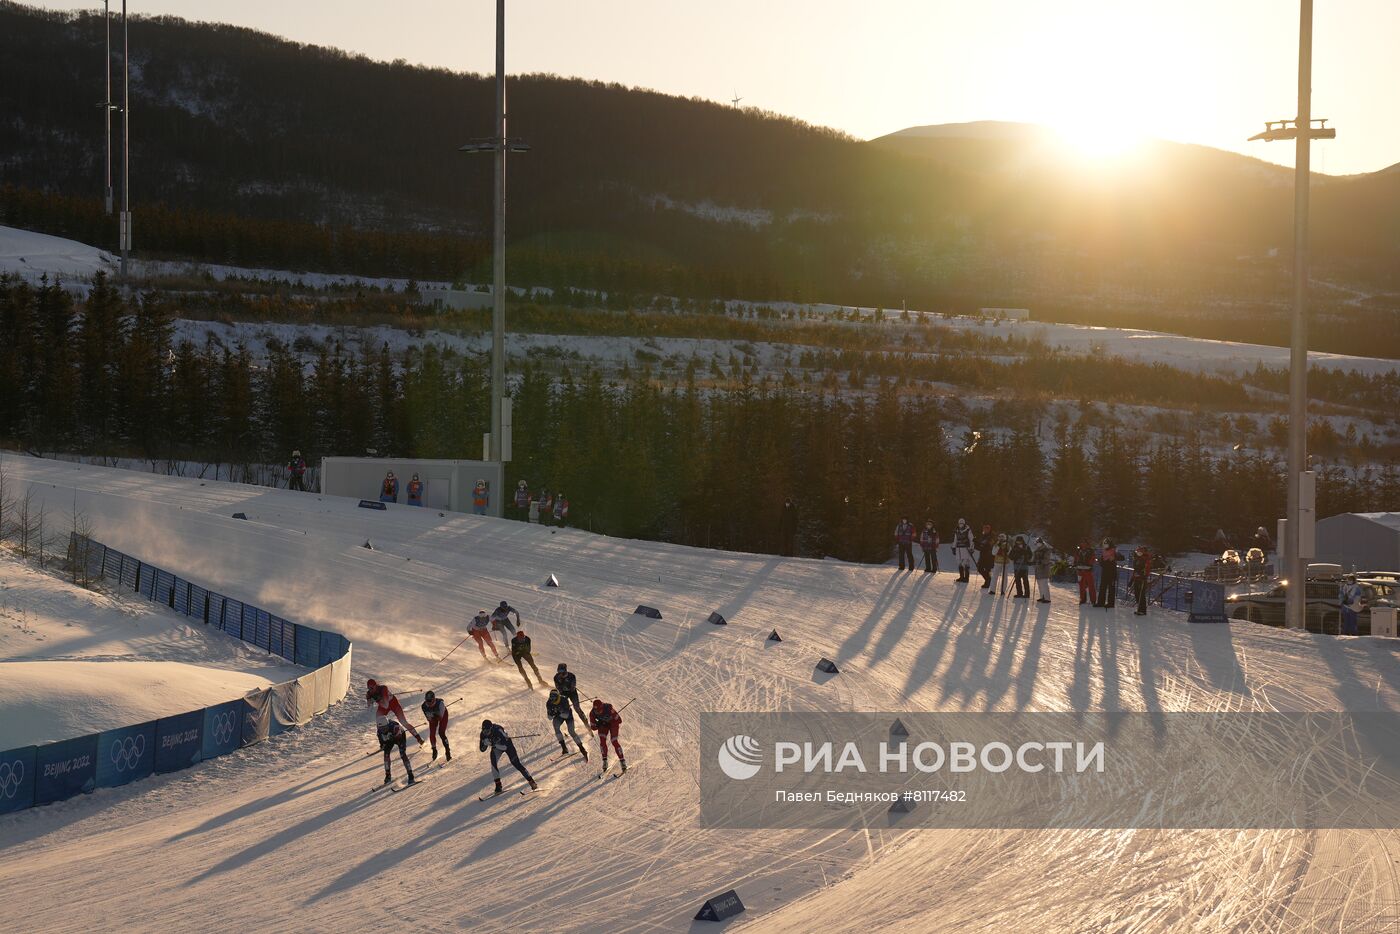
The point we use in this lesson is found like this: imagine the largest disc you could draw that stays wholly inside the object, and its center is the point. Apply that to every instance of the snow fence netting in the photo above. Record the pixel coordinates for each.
(33, 775)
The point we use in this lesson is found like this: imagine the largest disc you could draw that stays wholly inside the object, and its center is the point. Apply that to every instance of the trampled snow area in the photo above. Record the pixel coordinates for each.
(75, 661)
(283, 834)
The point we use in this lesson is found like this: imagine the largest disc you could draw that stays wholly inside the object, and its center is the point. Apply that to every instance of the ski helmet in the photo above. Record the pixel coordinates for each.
(504, 605)
(563, 667)
(371, 684)
(554, 695)
(597, 702)
(430, 697)
(486, 724)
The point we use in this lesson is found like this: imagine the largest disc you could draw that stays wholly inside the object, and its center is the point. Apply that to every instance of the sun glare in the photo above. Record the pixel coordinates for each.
(1097, 141)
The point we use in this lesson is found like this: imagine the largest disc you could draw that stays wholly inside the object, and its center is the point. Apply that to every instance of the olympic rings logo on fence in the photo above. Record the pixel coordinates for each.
(223, 727)
(127, 753)
(11, 777)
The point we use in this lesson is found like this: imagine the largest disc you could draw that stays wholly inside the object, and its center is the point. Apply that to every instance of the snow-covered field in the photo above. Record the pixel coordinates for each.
(76, 661)
(282, 835)
(32, 255)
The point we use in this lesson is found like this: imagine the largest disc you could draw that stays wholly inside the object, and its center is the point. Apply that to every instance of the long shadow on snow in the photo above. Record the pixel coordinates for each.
(1095, 623)
(926, 662)
(971, 650)
(860, 636)
(448, 825)
(1030, 663)
(995, 685)
(1214, 648)
(730, 609)
(898, 625)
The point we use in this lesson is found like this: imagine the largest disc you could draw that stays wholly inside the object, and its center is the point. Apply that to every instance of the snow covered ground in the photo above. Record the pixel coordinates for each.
(75, 661)
(32, 255)
(282, 834)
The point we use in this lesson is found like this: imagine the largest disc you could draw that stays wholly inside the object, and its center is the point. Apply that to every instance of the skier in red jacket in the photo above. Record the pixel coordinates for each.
(385, 703)
(605, 722)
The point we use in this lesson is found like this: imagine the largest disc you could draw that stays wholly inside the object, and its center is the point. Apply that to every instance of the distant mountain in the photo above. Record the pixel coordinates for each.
(253, 149)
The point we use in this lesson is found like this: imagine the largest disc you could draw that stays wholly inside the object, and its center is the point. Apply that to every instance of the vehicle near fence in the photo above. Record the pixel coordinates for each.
(1323, 613)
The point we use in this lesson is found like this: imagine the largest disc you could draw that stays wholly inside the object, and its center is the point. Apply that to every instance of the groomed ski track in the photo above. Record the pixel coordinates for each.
(283, 836)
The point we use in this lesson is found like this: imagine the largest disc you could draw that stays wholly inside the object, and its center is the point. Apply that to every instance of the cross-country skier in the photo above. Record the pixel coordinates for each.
(436, 712)
(928, 544)
(986, 555)
(1042, 555)
(557, 709)
(605, 721)
(500, 622)
(904, 539)
(391, 735)
(389, 489)
(520, 651)
(385, 704)
(1019, 554)
(567, 686)
(494, 735)
(296, 470)
(415, 491)
(480, 630)
(962, 548)
(1084, 559)
(1108, 575)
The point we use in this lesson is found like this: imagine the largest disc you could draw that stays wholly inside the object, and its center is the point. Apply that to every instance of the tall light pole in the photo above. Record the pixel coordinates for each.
(1298, 543)
(125, 220)
(499, 144)
(107, 107)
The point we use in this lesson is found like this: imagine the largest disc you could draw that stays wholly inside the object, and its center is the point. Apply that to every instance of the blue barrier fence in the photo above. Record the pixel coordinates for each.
(33, 775)
(1202, 601)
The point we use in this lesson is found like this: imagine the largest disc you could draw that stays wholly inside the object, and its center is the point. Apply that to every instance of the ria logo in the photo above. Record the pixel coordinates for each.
(740, 757)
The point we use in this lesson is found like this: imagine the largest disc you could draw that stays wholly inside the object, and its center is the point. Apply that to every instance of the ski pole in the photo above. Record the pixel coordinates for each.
(419, 680)
(625, 706)
(415, 726)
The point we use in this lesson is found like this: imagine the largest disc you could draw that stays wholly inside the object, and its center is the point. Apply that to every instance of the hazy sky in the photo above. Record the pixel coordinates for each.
(1204, 71)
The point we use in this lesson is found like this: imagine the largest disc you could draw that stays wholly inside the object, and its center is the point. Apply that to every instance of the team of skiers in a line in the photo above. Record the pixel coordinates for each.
(998, 550)
(560, 707)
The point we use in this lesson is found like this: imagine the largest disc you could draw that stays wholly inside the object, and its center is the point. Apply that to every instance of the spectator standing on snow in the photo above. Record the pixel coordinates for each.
(1020, 557)
(787, 529)
(389, 489)
(1084, 560)
(986, 555)
(904, 541)
(415, 491)
(1142, 575)
(1108, 576)
(561, 511)
(1353, 600)
(522, 499)
(1001, 554)
(481, 498)
(546, 506)
(557, 709)
(296, 471)
(962, 549)
(928, 544)
(1042, 556)
(532, 514)
(436, 712)
(480, 630)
